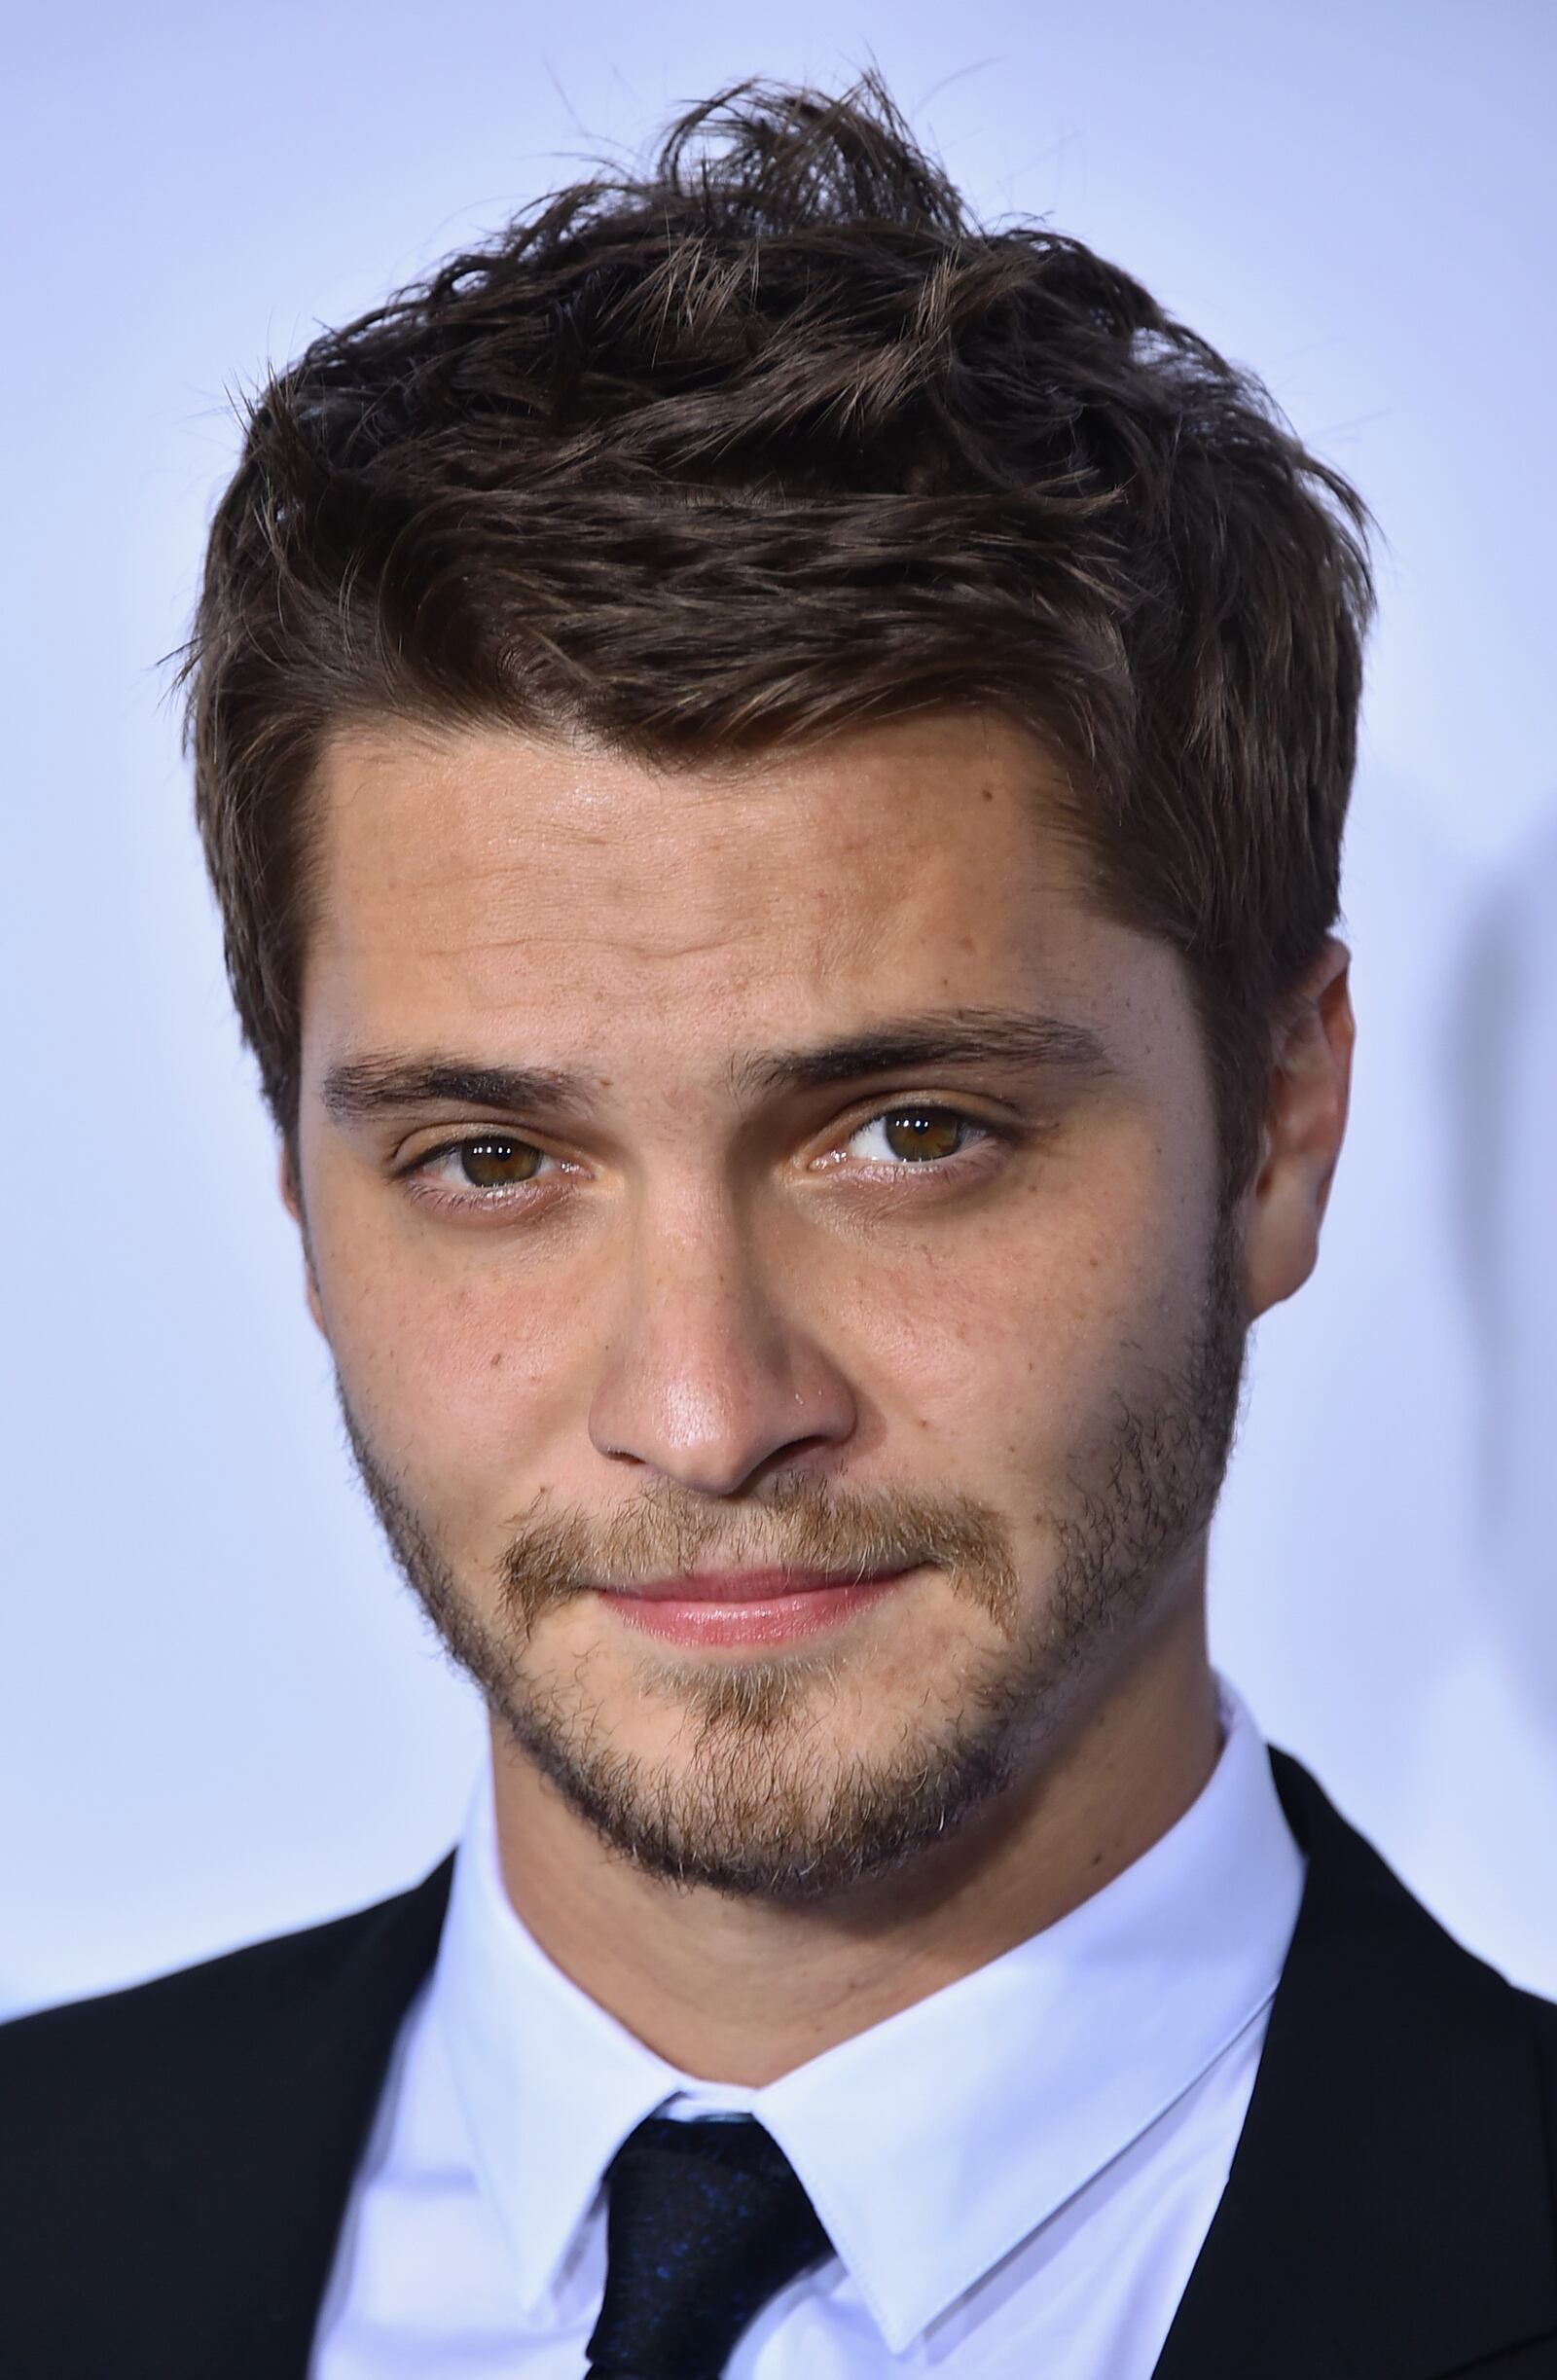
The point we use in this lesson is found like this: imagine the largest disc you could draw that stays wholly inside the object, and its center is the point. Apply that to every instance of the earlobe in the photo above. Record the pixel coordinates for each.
(292, 1200)
(1305, 1124)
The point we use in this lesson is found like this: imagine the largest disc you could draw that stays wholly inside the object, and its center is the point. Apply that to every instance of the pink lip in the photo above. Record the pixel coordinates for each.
(747, 1606)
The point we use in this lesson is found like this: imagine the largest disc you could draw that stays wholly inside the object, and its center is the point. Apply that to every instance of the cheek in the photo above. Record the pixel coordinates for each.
(1016, 1345)
(454, 1375)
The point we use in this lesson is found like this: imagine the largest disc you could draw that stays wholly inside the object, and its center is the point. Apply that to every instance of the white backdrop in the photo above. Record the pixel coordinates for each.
(218, 1714)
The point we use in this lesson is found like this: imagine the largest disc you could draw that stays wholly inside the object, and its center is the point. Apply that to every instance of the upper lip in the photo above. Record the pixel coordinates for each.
(750, 1586)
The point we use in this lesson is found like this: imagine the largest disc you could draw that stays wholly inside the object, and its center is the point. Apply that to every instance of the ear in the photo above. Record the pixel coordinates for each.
(1305, 1122)
(292, 1200)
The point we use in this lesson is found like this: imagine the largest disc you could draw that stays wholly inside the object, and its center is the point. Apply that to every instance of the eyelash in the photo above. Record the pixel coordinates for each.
(470, 1200)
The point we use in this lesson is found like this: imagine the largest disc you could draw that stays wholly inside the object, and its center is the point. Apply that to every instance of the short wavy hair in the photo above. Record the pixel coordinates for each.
(765, 442)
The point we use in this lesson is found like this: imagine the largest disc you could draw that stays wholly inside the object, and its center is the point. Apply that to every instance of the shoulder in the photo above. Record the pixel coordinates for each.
(1541, 2015)
(189, 2143)
(134, 2040)
(1390, 2207)
(1362, 1932)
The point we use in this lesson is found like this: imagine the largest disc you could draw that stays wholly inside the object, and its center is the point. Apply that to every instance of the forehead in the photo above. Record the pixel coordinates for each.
(483, 876)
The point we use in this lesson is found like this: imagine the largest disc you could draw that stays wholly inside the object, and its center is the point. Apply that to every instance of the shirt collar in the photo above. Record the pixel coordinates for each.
(1048, 2062)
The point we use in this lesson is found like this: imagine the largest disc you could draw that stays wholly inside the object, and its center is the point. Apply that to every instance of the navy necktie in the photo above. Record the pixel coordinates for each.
(705, 2222)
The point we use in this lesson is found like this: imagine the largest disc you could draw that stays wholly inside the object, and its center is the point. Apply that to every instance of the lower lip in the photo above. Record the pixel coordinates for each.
(776, 1620)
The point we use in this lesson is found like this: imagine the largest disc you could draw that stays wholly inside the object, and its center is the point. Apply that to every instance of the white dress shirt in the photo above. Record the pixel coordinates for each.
(1016, 2174)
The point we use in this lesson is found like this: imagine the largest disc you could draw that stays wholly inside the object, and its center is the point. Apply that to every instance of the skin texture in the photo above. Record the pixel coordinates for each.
(726, 1324)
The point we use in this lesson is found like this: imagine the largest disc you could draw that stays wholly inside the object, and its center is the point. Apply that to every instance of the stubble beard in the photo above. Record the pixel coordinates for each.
(763, 1801)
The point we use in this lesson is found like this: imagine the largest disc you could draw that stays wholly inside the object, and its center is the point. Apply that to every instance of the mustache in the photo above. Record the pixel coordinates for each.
(567, 1551)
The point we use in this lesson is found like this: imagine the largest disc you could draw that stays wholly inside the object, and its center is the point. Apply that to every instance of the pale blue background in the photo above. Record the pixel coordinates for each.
(218, 1714)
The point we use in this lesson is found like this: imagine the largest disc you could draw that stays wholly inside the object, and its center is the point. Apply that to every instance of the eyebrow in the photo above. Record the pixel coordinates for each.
(947, 1038)
(361, 1088)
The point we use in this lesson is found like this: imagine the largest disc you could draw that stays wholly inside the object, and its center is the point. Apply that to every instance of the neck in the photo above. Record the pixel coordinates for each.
(742, 1991)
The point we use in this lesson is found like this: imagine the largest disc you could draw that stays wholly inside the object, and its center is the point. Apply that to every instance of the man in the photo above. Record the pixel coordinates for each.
(774, 763)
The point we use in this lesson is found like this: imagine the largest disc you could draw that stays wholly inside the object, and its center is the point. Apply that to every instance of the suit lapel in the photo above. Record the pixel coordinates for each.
(257, 2150)
(1389, 2212)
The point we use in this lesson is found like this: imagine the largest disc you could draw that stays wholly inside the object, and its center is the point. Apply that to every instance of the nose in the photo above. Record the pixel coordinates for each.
(712, 1374)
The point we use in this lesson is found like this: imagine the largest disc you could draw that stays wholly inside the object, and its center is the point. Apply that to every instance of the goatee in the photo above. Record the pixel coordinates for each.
(762, 1800)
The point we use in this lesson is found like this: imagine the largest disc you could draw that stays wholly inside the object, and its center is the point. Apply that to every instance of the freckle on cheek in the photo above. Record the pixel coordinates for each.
(497, 1360)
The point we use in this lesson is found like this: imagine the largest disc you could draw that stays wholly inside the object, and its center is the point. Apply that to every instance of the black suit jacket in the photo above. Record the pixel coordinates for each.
(175, 2159)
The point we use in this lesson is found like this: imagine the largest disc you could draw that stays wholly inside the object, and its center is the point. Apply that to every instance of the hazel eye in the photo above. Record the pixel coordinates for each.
(495, 1162)
(918, 1136)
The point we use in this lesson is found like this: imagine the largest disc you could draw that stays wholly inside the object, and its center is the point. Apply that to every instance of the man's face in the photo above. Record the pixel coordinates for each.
(770, 1170)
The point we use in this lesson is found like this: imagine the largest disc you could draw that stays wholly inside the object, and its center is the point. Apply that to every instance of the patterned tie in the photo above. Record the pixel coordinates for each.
(705, 2222)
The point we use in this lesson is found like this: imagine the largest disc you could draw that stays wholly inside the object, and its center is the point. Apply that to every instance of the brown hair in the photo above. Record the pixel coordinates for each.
(774, 440)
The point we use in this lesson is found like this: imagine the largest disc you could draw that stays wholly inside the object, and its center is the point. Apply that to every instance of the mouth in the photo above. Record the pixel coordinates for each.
(769, 1606)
